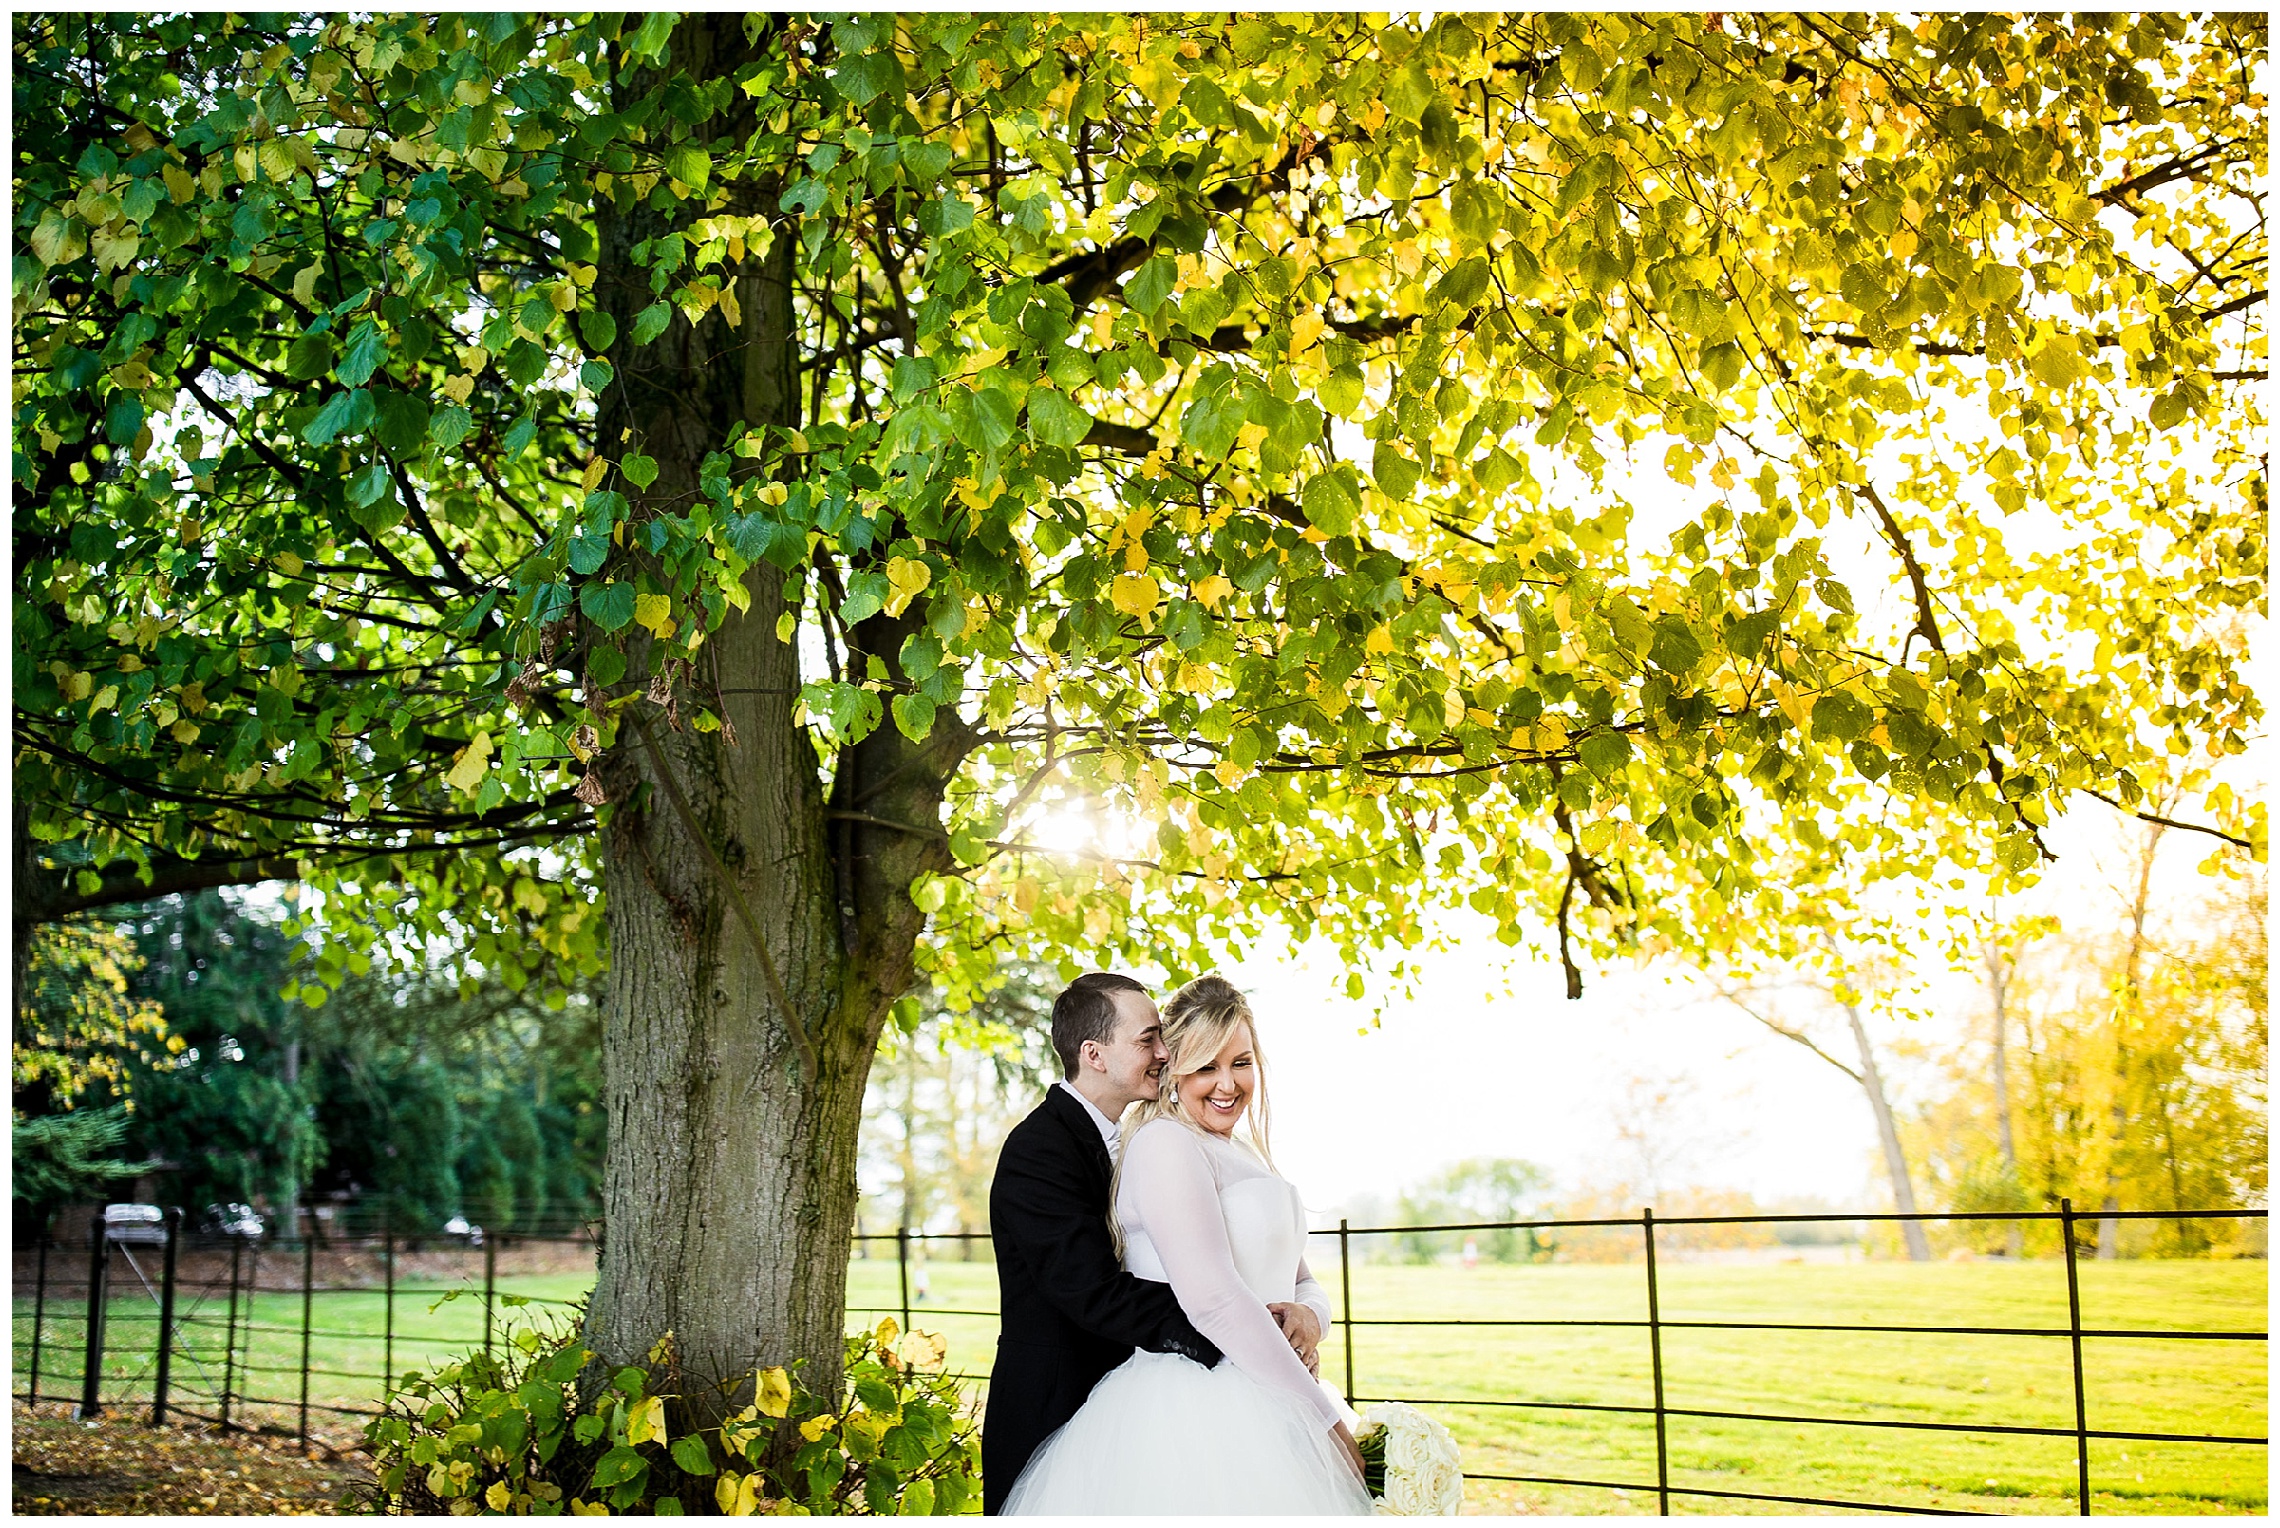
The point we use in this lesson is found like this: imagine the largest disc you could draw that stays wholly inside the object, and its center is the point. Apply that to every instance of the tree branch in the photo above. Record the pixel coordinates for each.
(2168, 822)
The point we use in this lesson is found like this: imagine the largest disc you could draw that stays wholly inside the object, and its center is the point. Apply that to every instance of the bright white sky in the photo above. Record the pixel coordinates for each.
(1469, 1068)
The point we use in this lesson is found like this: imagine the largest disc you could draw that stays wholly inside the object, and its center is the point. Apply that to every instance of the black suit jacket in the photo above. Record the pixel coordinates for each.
(1069, 1312)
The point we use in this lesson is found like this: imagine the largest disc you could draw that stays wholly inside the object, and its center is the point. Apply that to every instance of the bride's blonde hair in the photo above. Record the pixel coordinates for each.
(1197, 1021)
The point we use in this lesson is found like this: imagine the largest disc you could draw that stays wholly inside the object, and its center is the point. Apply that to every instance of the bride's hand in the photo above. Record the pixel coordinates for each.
(1353, 1450)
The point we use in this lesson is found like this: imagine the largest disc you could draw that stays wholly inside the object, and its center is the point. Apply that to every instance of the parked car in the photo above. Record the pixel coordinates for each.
(230, 1220)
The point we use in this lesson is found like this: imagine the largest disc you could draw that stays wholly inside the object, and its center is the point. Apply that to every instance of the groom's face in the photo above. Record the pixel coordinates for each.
(1134, 1056)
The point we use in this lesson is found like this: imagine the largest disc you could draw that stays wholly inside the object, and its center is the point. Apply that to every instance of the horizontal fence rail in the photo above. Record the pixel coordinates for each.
(213, 1335)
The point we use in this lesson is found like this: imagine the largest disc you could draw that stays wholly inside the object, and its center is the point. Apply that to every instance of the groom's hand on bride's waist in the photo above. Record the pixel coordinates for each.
(1303, 1328)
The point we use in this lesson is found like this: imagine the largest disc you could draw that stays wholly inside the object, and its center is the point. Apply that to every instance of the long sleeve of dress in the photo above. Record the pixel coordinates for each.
(1313, 1296)
(1174, 1197)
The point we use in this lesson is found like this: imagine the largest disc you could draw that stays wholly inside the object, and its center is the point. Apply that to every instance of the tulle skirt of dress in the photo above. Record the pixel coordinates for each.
(1164, 1436)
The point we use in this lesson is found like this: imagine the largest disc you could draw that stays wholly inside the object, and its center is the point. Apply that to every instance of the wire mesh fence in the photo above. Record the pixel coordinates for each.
(1640, 1372)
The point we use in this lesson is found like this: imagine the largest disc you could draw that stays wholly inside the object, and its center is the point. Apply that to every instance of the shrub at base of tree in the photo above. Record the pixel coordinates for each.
(531, 1432)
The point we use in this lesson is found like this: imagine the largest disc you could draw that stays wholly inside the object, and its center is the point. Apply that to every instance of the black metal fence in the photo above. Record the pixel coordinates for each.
(215, 1351)
(246, 1332)
(1656, 1324)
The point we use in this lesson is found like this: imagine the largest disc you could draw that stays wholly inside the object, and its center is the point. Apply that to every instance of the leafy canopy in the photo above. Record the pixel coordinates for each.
(1537, 460)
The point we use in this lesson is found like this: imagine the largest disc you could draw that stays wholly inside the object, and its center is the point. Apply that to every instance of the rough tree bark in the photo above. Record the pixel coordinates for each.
(730, 1188)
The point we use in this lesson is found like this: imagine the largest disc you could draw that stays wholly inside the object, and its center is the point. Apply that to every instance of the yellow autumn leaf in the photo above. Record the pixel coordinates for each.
(775, 1393)
(305, 283)
(290, 564)
(925, 1350)
(906, 577)
(78, 686)
(596, 470)
(816, 1426)
(580, 1507)
(1379, 642)
(458, 388)
(1305, 329)
(653, 611)
(1135, 594)
(105, 698)
(185, 733)
(180, 187)
(499, 1497)
(645, 1422)
(1212, 591)
(468, 766)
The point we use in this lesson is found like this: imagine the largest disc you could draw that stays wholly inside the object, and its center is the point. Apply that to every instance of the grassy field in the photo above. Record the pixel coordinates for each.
(2182, 1386)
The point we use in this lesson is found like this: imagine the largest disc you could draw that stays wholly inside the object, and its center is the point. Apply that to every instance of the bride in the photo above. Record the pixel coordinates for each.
(1200, 1210)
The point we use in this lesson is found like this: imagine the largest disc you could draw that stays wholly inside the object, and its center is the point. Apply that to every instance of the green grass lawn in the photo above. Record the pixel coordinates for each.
(2180, 1386)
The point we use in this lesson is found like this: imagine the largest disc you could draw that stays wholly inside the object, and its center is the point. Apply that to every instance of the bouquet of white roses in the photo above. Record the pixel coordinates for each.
(1409, 1462)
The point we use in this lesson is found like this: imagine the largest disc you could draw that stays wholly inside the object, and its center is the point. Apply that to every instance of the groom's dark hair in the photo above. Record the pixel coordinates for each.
(1085, 1011)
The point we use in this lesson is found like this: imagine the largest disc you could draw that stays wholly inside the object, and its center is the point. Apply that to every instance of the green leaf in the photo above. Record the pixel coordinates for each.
(609, 606)
(1054, 419)
(367, 347)
(639, 470)
(1676, 650)
(1330, 503)
(450, 426)
(605, 665)
(917, 1500)
(944, 216)
(914, 716)
(1152, 283)
(993, 419)
(650, 322)
(867, 594)
(618, 1466)
(369, 484)
(594, 376)
(1838, 716)
(589, 549)
(598, 329)
(690, 165)
(339, 415)
(309, 357)
(1396, 474)
(1604, 753)
(690, 1453)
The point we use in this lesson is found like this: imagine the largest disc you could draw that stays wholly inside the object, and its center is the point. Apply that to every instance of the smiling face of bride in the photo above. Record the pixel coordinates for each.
(1216, 1094)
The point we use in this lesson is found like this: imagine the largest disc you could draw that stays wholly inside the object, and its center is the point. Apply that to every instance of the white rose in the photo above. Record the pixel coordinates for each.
(1423, 1477)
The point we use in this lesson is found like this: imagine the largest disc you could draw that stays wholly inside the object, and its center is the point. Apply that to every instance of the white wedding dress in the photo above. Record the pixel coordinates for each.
(1163, 1435)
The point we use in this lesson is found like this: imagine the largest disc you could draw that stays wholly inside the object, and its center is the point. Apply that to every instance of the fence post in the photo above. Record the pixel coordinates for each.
(39, 1317)
(229, 1331)
(388, 1305)
(308, 1291)
(98, 1299)
(2074, 1330)
(490, 1286)
(1654, 1345)
(902, 1266)
(166, 1320)
(1346, 1300)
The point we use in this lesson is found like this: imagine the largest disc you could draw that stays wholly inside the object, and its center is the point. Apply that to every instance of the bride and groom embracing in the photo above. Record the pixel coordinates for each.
(1158, 1323)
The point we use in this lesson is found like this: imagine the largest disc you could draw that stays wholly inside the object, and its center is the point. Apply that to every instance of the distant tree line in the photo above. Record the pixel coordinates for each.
(166, 1049)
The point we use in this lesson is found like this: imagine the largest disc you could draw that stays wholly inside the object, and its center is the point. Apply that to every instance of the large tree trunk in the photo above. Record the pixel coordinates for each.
(730, 1187)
